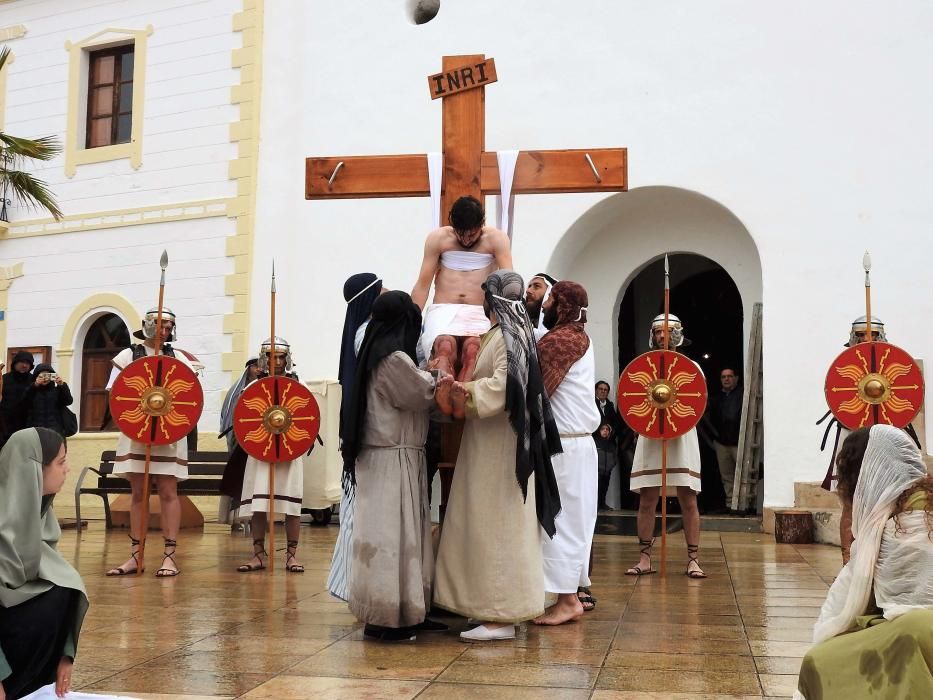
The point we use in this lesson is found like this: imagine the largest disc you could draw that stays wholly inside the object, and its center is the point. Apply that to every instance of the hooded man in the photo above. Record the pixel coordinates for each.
(16, 385)
(360, 291)
(569, 370)
(539, 288)
(384, 429)
(504, 492)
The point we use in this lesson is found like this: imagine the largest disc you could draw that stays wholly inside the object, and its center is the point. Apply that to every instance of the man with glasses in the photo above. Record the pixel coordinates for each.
(725, 412)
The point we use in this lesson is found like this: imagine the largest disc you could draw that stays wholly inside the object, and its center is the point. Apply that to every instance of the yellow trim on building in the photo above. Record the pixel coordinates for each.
(244, 132)
(14, 31)
(116, 218)
(105, 302)
(7, 275)
(75, 152)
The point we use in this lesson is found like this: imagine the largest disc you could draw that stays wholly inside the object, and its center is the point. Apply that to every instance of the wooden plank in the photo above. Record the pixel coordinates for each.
(543, 172)
(367, 176)
(468, 76)
(464, 135)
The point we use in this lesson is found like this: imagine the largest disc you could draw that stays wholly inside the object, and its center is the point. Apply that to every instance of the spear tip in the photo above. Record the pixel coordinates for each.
(866, 261)
(163, 261)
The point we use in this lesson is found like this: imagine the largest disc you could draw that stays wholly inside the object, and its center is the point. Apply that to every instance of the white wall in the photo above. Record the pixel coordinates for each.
(808, 122)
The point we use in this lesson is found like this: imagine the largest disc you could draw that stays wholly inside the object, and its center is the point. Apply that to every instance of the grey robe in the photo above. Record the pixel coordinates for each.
(393, 559)
(489, 564)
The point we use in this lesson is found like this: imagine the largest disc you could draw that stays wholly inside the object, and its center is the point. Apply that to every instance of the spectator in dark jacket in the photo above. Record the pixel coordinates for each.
(725, 413)
(606, 439)
(45, 399)
(16, 385)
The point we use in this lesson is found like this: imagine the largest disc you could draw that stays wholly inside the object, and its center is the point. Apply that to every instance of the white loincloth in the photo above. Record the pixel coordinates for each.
(683, 463)
(458, 320)
(567, 556)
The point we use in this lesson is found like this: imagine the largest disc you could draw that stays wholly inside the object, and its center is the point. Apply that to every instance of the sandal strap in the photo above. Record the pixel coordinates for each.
(646, 546)
(693, 552)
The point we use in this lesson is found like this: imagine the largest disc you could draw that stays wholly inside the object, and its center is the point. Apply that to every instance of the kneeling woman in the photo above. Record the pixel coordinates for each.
(881, 648)
(42, 598)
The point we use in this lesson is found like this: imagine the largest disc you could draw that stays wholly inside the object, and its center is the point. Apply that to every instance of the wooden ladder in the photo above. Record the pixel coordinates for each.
(749, 454)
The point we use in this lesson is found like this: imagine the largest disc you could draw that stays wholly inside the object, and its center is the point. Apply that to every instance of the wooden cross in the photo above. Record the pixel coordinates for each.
(468, 168)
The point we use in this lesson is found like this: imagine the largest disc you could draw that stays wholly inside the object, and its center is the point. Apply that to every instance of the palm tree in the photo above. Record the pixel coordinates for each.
(15, 152)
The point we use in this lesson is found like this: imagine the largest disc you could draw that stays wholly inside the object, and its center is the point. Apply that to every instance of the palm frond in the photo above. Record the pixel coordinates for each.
(4, 55)
(30, 190)
(14, 149)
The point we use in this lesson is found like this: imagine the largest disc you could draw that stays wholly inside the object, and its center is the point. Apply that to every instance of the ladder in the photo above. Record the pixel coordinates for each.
(749, 454)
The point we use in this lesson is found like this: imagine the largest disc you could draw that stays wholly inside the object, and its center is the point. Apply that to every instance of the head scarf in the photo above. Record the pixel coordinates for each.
(566, 342)
(538, 322)
(525, 400)
(29, 531)
(395, 326)
(359, 291)
(233, 393)
(892, 463)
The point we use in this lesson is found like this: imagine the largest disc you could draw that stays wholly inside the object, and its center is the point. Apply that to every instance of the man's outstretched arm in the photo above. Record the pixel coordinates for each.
(419, 293)
(502, 247)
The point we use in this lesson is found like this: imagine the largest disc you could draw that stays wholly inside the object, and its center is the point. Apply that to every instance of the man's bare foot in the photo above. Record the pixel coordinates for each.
(442, 395)
(567, 609)
(458, 398)
(127, 567)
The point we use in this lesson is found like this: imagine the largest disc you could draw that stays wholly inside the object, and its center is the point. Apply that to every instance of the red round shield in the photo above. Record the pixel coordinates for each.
(872, 383)
(662, 394)
(276, 419)
(156, 400)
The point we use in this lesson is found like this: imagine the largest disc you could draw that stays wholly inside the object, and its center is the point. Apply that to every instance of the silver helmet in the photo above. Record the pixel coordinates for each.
(860, 326)
(281, 345)
(676, 328)
(149, 324)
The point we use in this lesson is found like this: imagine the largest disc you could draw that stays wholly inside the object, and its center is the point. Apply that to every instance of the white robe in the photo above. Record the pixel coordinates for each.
(566, 557)
(165, 460)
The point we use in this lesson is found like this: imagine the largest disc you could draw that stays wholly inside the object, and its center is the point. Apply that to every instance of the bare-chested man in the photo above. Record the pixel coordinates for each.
(458, 259)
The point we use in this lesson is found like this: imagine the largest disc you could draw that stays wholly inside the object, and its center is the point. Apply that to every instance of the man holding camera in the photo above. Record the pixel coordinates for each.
(45, 400)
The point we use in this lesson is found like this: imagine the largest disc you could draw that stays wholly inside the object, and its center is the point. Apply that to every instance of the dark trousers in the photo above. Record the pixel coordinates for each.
(32, 636)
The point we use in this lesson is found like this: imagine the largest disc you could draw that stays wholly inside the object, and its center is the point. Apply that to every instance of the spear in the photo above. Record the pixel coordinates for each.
(866, 263)
(272, 465)
(666, 346)
(144, 529)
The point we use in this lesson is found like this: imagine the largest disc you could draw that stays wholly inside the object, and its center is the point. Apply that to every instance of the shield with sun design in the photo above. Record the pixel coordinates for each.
(662, 394)
(156, 400)
(276, 419)
(872, 383)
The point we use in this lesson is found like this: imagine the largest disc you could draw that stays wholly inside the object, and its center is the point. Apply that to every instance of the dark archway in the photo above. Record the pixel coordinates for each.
(106, 337)
(708, 303)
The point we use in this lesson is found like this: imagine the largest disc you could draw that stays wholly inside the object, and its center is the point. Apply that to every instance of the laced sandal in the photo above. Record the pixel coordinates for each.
(646, 550)
(259, 549)
(693, 552)
(290, 552)
(134, 555)
(587, 600)
(165, 572)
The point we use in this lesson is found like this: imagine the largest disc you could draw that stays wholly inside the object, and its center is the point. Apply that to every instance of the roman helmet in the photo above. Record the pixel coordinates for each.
(281, 345)
(149, 324)
(676, 328)
(859, 325)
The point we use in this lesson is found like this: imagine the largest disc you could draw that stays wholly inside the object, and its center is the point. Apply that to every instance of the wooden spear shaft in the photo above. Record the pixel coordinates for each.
(272, 465)
(666, 334)
(866, 263)
(144, 524)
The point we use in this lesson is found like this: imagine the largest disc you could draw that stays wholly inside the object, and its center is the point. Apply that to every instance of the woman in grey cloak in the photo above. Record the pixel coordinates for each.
(42, 598)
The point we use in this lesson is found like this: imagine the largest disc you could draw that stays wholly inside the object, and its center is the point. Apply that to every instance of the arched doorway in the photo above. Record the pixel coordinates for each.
(106, 336)
(619, 245)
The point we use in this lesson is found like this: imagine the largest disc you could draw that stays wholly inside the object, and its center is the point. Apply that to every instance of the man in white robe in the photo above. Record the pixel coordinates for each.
(569, 371)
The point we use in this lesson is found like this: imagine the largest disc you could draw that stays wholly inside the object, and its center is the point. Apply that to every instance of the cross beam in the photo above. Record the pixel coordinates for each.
(468, 168)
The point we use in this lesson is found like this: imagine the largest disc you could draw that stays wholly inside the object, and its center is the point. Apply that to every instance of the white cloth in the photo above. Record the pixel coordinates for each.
(130, 458)
(891, 464)
(458, 320)
(358, 338)
(466, 260)
(566, 557)
(539, 330)
(47, 692)
(435, 181)
(505, 201)
(289, 487)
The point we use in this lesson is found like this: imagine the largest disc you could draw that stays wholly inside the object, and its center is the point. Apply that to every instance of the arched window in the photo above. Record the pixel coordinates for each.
(105, 338)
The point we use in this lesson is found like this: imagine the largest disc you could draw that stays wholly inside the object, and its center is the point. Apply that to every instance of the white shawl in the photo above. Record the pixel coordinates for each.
(892, 463)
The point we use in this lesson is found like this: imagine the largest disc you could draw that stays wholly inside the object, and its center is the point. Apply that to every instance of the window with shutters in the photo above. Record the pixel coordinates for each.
(110, 96)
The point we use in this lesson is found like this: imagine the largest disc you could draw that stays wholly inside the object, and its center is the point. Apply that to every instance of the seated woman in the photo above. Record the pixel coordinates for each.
(881, 648)
(42, 598)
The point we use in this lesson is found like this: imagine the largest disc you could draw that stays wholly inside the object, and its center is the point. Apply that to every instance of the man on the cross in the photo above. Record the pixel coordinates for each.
(458, 259)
